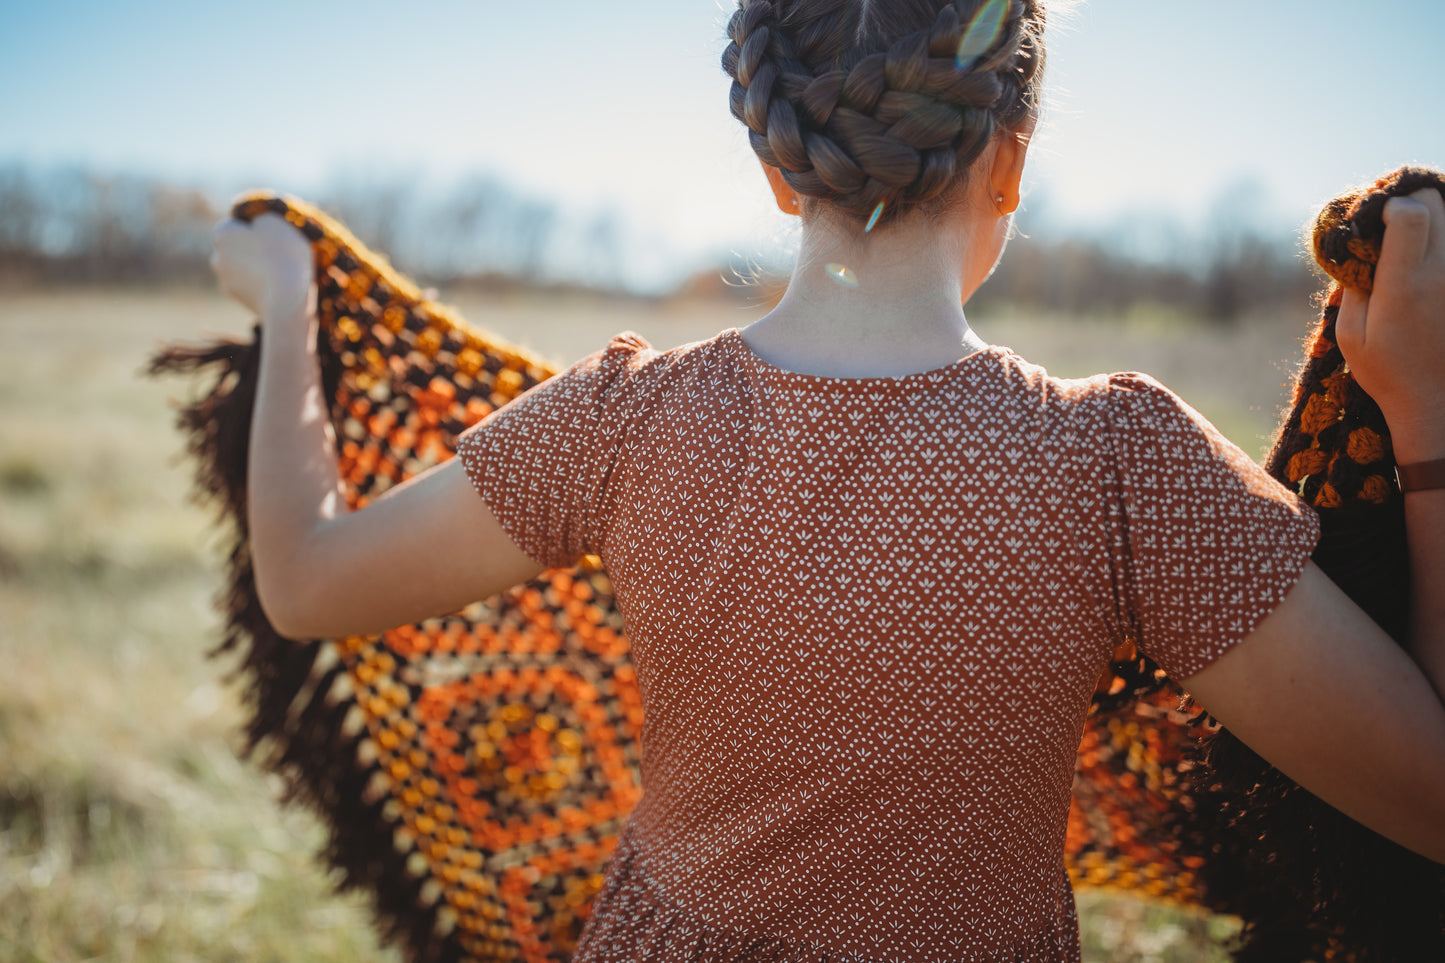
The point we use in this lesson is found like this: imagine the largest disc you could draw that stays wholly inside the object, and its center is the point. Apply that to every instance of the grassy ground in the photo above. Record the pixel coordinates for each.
(129, 831)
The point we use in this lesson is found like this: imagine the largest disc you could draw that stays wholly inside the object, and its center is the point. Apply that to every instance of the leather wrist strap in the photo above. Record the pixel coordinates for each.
(1421, 475)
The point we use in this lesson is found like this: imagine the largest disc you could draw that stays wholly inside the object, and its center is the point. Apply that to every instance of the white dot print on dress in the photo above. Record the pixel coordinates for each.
(867, 617)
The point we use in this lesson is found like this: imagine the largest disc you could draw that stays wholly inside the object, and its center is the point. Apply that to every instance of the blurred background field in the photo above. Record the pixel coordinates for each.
(129, 830)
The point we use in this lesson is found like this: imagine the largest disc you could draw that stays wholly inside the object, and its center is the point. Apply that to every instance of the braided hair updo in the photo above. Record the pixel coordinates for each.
(868, 102)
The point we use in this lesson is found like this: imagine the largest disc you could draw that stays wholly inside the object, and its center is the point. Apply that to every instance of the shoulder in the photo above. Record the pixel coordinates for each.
(637, 376)
(630, 358)
(593, 379)
(1099, 402)
(571, 400)
(612, 392)
(621, 358)
(1127, 422)
(1118, 399)
(1020, 374)
(1135, 394)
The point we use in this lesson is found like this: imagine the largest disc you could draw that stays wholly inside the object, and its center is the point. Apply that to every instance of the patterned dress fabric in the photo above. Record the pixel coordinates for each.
(868, 617)
(475, 772)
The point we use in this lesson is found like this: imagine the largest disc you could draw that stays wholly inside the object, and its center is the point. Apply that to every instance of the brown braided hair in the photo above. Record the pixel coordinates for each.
(871, 103)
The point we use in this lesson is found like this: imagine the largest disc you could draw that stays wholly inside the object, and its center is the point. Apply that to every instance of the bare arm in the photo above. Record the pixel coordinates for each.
(1425, 521)
(1329, 699)
(1425, 527)
(427, 547)
(1318, 689)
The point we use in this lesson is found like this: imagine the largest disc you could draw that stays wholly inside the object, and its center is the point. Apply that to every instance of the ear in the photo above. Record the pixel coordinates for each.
(1007, 171)
(786, 197)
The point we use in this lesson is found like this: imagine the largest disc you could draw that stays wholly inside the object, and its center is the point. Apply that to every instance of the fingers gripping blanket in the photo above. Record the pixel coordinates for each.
(474, 770)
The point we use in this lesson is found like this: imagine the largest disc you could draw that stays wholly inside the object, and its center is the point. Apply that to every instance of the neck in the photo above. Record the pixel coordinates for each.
(883, 303)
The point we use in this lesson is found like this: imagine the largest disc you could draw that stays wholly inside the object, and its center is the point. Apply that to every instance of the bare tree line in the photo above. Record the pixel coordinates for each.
(1220, 281)
(72, 225)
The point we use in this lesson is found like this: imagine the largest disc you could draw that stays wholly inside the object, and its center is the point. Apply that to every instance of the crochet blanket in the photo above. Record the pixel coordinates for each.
(474, 770)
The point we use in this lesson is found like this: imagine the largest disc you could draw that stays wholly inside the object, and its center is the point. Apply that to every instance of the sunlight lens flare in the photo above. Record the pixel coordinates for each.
(873, 218)
(983, 31)
(842, 274)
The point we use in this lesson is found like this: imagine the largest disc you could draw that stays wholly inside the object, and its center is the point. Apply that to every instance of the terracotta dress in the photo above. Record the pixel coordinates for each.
(867, 617)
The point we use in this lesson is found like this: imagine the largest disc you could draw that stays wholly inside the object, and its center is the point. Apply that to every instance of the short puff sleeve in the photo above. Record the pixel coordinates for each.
(542, 461)
(1203, 542)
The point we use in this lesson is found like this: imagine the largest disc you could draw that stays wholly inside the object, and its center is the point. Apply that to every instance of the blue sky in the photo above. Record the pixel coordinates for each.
(1157, 111)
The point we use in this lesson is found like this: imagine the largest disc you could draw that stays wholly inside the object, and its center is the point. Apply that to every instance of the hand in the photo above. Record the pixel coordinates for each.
(1394, 338)
(266, 265)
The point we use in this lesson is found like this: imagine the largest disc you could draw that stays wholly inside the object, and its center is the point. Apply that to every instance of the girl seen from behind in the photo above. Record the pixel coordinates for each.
(871, 566)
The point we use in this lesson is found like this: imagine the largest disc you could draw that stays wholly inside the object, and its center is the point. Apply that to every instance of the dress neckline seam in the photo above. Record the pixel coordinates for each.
(767, 368)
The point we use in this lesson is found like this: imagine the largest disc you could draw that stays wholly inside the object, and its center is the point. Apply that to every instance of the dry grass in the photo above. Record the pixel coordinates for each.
(128, 829)
(131, 830)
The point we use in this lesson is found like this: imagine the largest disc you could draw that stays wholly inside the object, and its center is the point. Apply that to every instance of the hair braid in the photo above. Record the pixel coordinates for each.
(868, 105)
